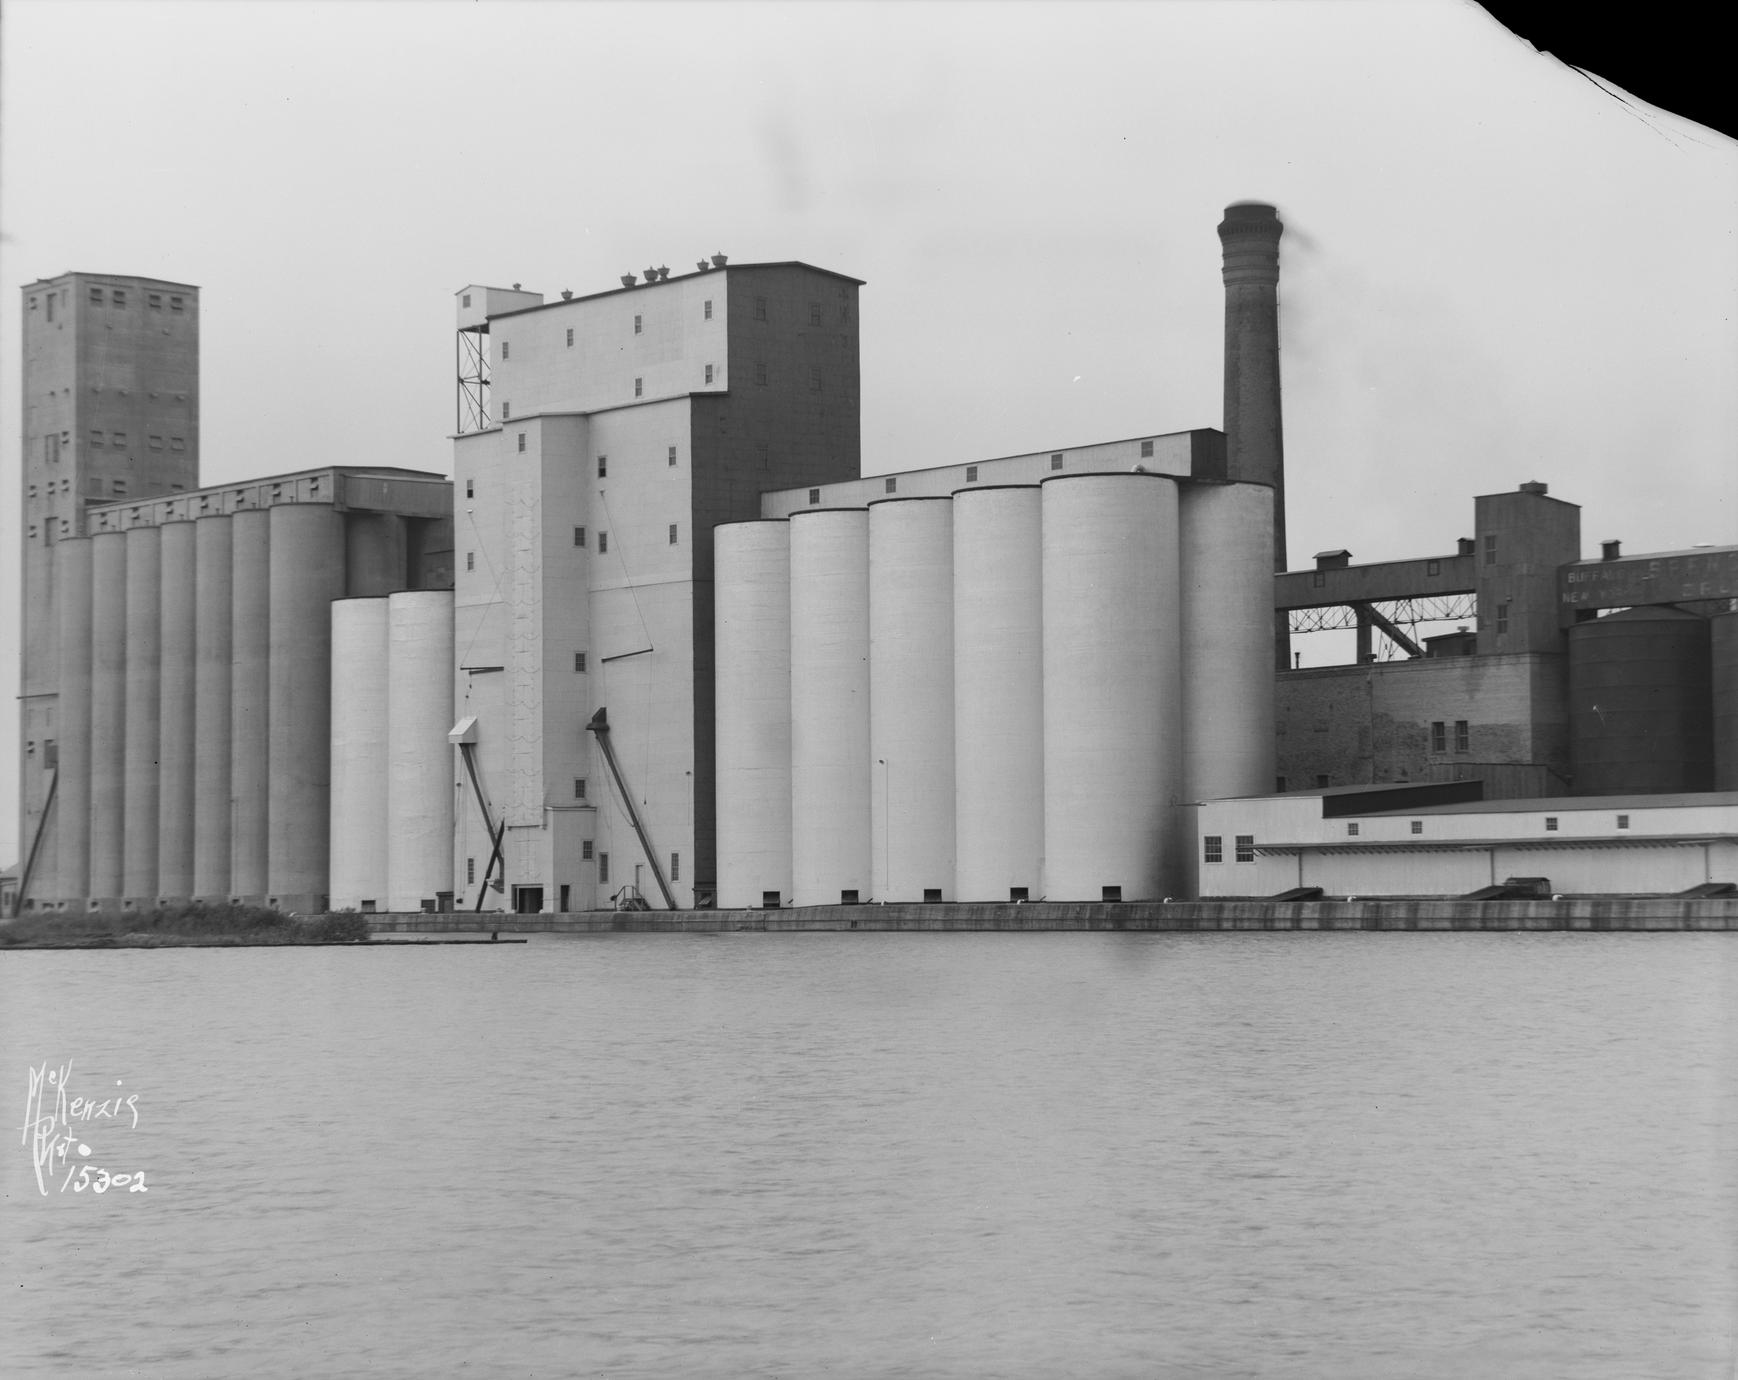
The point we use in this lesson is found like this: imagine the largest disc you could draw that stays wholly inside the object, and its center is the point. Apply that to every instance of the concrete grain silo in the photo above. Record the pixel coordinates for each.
(998, 693)
(830, 859)
(72, 580)
(177, 725)
(911, 699)
(419, 801)
(144, 691)
(752, 619)
(214, 633)
(108, 714)
(1227, 740)
(358, 755)
(250, 693)
(306, 574)
(1111, 686)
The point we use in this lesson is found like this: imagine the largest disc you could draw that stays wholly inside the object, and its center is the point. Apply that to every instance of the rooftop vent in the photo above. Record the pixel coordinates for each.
(1465, 546)
(719, 260)
(567, 294)
(663, 272)
(1610, 550)
(629, 279)
(1533, 486)
(1333, 560)
(651, 275)
(703, 265)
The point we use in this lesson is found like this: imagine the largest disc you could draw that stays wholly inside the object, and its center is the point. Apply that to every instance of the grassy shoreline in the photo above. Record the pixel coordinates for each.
(184, 926)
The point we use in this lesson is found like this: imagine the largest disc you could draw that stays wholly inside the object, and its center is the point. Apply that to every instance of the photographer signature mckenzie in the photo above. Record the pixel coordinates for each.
(53, 1122)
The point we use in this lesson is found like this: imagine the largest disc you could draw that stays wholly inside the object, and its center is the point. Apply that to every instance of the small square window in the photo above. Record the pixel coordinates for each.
(470, 863)
(1146, 450)
(709, 309)
(1318, 579)
(1462, 736)
(1623, 821)
(570, 335)
(579, 663)
(814, 313)
(1502, 618)
(470, 560)
(760, 309)
(506, 411)
(971, 474)
(174, 304)
(1418, 826)
(579, 536)
(155, 442)
(465, 300)
(1246, 848)
(521, 443)
(892, 484)
(96, 296)
(1351, 831)
(1433, 567)
(709, 373)
(118, 296)
(603, 467)
(585, 850)
(177, 443)
(1322, 782)
(1439, 736)
(603, 542)
(118, 485)
(579, 788)
(638, 326)
(470, 488)
(506, 349)
(119, 438)
(1213, 848)
(639, 387)
(96, 437)
(814, 495)
(673, 533)
(1490, 550)
(672, 457)
(603, 867)
(675, 867)
(1056, 462)
(1550, 824)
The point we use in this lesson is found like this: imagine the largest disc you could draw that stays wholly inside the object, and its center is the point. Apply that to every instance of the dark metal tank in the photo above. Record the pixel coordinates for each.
(1640, 704)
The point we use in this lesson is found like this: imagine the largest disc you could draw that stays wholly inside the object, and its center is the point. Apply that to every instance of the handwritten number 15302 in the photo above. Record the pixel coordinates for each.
(102, 1181)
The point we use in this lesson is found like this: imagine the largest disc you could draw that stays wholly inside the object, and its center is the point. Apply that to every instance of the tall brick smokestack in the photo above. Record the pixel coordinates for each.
(1254, 446)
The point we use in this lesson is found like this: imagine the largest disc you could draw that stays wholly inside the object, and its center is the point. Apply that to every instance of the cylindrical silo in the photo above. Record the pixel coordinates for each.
(1640, 711)
(72, 583)
(1724, 639)
(911, 699)
(359, 756)
(375, 560)
(419, 804)
(176, 725)
(751, 573)
(1111, 687)
(830, 860)
(108, 713)
(214, 631)
(250, 692)
(144, 709)
(998, 619)
(307, 574)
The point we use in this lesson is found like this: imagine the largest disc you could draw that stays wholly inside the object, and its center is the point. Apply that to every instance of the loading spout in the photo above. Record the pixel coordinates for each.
(600, 726)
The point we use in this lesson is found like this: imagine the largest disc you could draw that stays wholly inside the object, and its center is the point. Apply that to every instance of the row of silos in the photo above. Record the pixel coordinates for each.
(193, 709)
(391, 781)
(1013, 693)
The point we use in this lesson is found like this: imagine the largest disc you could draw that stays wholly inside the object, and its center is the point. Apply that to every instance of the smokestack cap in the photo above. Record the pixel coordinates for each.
(1250, 236)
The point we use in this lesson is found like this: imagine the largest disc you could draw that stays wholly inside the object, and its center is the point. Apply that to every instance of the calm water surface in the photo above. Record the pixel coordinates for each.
(1334, 1155)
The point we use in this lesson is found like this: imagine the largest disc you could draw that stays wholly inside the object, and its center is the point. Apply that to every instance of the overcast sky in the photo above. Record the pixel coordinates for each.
(1494, 269)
